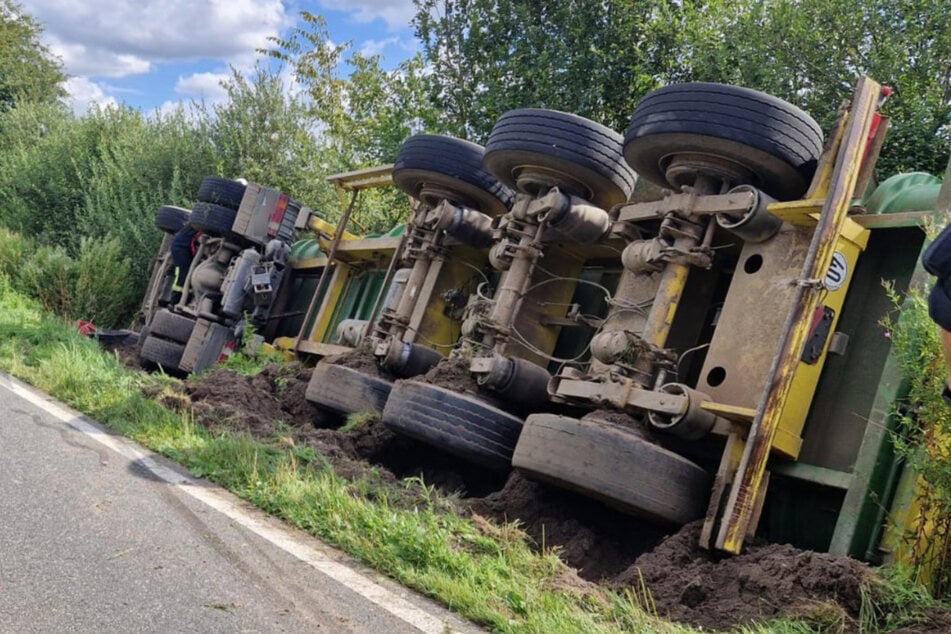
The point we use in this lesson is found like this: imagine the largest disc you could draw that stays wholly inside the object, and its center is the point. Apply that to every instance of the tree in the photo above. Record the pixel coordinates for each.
(597, 58)
(264, 132)
(27, 69)
(810, 52)
(365, 115)
(360, 118)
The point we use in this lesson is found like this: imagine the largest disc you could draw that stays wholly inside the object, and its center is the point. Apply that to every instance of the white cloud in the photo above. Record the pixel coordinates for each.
(375, 47)
(396, 13)
(84, 94)
(116, 38)
(205, 85)
(80, 59)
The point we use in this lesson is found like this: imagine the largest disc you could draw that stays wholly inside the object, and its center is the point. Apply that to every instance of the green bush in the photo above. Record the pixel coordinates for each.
(13, 249)
(94, 286)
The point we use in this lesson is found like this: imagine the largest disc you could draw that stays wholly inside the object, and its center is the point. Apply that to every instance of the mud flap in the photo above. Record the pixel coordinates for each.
(206, 344)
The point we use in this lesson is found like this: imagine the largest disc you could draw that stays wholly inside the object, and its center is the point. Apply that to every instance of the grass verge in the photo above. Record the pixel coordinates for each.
(486, 573)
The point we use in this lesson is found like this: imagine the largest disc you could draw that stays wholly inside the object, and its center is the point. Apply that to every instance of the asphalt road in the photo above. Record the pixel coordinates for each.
(100, 535)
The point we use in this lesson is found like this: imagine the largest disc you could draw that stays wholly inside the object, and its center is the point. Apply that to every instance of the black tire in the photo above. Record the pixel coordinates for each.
(346, 390)
(453, 165)
(221, 191)
(774, 140)
(171, 219)
(459, 424)
(171, 326)
(213, 219)
(613, 464)
(166, 354)
(586, 154)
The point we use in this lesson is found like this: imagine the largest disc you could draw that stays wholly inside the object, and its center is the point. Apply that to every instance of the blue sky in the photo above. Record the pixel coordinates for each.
(153, 53)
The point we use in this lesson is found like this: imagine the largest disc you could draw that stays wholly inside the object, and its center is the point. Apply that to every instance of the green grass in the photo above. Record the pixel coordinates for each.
(486, 573)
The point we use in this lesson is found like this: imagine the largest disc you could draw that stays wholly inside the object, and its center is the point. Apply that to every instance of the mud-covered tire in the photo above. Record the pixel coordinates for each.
(453, 165)
(221, 191)
(213, 219)
(166, 354)
(613, 464)
(460, 424)
(346, 390)
(584, 154)
(171, 326)
(778, 143)
(171, 219)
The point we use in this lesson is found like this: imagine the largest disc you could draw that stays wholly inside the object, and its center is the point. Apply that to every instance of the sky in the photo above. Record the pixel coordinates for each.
(151, 54)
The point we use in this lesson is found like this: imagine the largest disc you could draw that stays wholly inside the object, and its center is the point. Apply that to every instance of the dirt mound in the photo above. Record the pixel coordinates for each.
(452, 374)
(597, 540)
(692, 585)
(267, 404)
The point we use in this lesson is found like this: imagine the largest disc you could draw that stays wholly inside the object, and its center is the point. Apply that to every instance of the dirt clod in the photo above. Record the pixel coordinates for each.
(361, 360)
(452, 374)
(718, 591)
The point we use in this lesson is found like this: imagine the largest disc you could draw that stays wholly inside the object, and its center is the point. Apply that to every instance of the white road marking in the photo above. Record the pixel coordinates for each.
(212, 496)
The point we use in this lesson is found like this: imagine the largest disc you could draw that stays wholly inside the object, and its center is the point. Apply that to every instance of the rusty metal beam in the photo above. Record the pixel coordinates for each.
(747, 487)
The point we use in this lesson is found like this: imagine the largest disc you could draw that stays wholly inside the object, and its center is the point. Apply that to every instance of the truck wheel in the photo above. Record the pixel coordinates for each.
(583, 156)
(213, 219)
(346, 390)
(167, 354)
(221, 191)
(459, 424)
(613, 464)
(451, 164)
(171, 219)
(171, 326)
(774, 143)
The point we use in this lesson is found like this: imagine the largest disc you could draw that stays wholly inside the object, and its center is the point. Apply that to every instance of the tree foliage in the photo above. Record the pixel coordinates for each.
(597, 58)
(365, 115)
(590, 57)
(27, 69)
(360, 112)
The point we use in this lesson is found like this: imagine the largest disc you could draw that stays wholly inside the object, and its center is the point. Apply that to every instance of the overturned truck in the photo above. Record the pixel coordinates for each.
(703, 344)
(737, 372)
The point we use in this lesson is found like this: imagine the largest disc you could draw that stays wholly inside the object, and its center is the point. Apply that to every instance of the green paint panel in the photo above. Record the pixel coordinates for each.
(357, 300)
(916, 191)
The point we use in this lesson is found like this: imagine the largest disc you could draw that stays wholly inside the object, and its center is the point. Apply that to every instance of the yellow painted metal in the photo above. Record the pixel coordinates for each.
(788, 438)
(325, 232)
(357, 180)
(305, 346)
(550, 287)
(746, 489)
(733, 413)
(798, 212)
(324, 320)
(429, 323)
(274, 348)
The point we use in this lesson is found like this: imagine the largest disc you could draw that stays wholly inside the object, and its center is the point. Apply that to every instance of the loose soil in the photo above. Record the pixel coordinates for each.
(686, 583)
(692, 585)
(361, 360)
